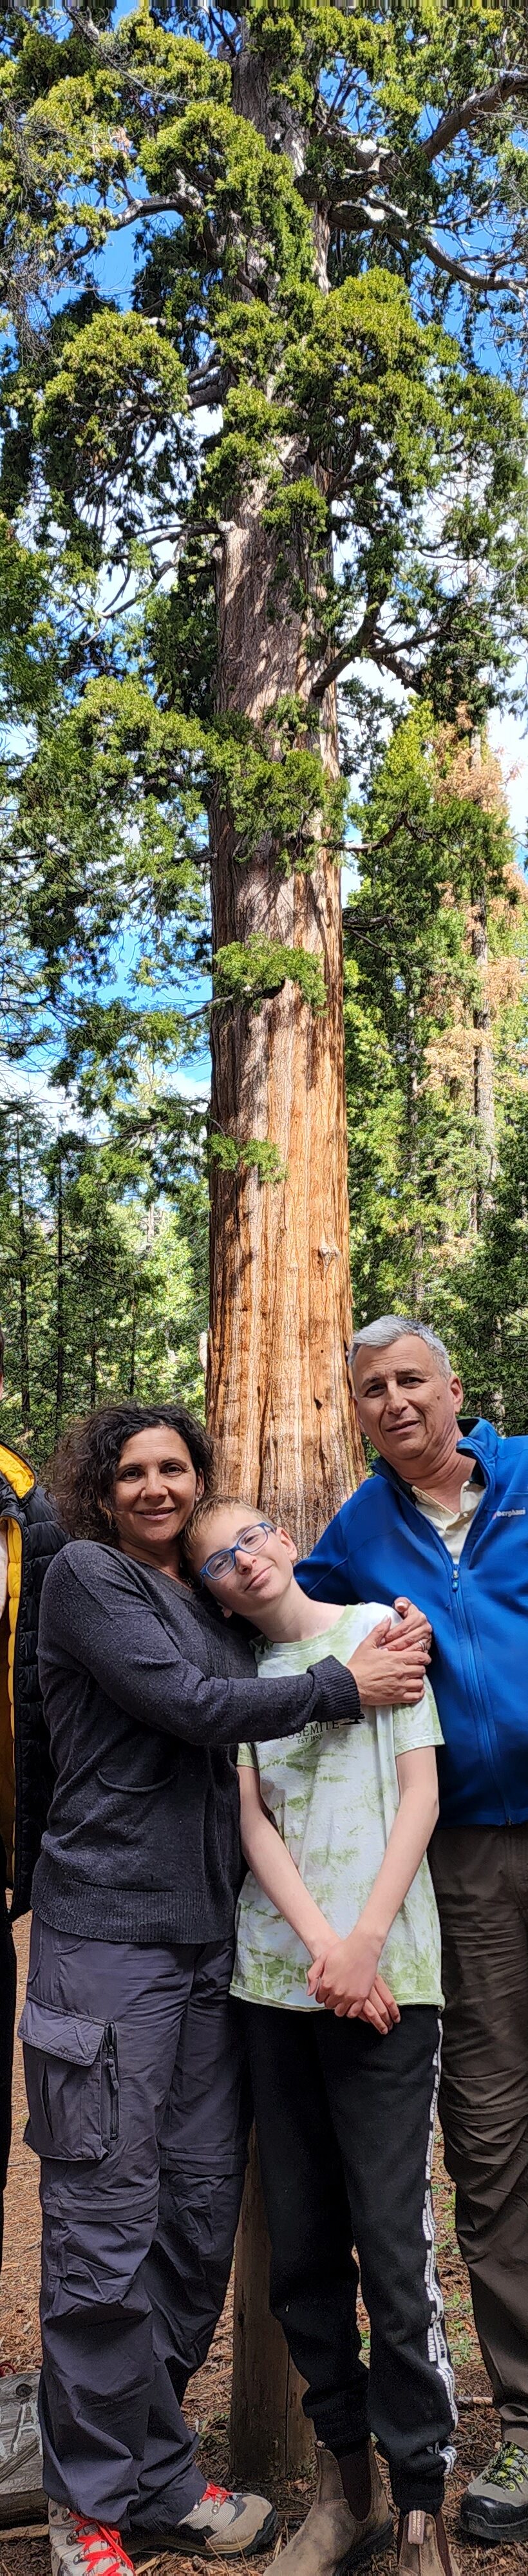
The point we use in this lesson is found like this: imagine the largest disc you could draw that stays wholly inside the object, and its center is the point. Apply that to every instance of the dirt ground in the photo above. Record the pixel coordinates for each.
(210, 2392)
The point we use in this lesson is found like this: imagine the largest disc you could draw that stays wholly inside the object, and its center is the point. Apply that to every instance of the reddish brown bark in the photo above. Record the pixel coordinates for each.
(278, 1397)
(483, 1084)
(279, 1402)
(270, 2436)
(280, 1296)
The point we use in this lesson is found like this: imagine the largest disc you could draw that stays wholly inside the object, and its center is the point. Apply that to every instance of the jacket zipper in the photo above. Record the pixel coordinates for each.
(110, 2054)
(17, 1749)
(479, 1712)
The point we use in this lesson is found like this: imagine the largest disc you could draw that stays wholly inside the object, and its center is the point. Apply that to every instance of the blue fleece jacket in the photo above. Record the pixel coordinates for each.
(380, 1544)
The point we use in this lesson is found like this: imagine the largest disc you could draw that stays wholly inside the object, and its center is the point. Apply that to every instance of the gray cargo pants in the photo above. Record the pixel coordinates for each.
(138, 2110)
(480, 1876)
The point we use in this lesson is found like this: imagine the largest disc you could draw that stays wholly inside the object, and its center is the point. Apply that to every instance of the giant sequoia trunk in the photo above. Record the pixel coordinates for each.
(280, 1297)
(270, 2436)
(25, 1389)
(483, 1082)
(483, 1085)
(413, 1150)
(61, 1352)
(278, 1399)
(279, 1404)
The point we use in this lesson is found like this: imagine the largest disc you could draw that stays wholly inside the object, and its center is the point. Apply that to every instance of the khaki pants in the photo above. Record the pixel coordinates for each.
(481, 1880)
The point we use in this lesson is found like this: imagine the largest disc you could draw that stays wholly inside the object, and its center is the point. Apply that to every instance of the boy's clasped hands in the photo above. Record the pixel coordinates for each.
(345, 1977)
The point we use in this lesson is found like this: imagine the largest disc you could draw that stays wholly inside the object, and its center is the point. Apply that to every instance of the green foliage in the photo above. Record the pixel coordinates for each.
(293, 797)
(118, 1304)
(484, 1300)
(106, 420)
(328, 214)
(436, 844)
(28, 657)
(262, 967)
(254, 1155)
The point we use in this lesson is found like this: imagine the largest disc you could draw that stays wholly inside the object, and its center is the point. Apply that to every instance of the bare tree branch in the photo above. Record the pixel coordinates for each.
(389, 659)
(361, 642)
(367, 640)
(471, 110)
(384, 215)
(182, 200)
(207, 386)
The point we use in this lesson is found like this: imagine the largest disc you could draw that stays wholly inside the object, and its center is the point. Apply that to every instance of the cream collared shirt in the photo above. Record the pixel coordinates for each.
(452, 1524)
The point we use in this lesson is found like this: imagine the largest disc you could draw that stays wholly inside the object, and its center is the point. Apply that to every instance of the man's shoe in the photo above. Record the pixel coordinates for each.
(495, 2505)
(81, 2548)
(423, 2546)
(332, 2540)
(225, 2524)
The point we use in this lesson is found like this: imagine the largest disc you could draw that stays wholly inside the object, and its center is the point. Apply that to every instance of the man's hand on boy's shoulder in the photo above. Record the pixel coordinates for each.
(386, 1678)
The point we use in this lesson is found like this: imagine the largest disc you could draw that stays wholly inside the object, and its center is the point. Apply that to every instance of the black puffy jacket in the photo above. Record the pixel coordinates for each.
(26, 1777)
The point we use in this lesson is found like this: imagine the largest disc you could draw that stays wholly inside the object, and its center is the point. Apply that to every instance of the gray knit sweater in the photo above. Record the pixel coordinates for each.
(146, 1691)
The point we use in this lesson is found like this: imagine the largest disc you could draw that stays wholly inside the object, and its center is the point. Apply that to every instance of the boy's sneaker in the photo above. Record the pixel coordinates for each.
(495, 2505)
(423, 2546)
(332, 2540)
(81, 2548)
(225, 2523)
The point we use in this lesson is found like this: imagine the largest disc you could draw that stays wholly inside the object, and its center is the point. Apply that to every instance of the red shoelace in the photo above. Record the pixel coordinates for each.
(102, 2548)
(215, 2495)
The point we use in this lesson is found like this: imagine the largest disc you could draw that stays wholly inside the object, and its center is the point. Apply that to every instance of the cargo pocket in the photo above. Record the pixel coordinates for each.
(72, 2084)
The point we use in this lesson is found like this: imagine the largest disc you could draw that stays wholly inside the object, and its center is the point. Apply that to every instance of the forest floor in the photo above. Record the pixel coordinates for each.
(209, 2395)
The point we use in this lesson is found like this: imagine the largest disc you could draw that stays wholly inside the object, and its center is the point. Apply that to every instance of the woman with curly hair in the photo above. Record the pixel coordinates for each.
(136, 2099)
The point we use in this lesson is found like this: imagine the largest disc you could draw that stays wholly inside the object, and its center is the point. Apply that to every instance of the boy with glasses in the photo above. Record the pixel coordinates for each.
(335, 1834)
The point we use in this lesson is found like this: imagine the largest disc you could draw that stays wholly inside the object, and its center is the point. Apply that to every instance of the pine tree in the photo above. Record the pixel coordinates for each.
(438, 883)
(103, 1291)
(483, 1303)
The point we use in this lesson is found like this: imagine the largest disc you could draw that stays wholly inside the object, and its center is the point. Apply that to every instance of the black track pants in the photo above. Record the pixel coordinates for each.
(345, 2125)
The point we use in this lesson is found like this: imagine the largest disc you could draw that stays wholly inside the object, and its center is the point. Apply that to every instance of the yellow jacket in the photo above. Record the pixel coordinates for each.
(32, 1537)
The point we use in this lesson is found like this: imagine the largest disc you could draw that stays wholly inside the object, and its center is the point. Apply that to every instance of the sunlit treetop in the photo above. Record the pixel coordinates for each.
(263, 268)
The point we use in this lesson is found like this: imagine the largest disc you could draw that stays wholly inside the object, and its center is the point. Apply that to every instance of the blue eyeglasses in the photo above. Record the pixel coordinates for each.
(224, 1559)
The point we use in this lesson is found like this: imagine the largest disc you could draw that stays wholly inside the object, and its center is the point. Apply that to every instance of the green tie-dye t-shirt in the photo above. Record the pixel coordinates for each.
(333, 1793)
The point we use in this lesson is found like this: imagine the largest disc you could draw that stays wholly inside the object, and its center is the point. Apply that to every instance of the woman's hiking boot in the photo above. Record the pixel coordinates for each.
(333, 2539)
(495, 2505)
(81, 2548)
(226, 2522)
(423, 2546)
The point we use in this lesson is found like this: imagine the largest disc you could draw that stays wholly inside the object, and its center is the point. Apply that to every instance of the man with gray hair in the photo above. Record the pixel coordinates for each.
(445, 1520)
